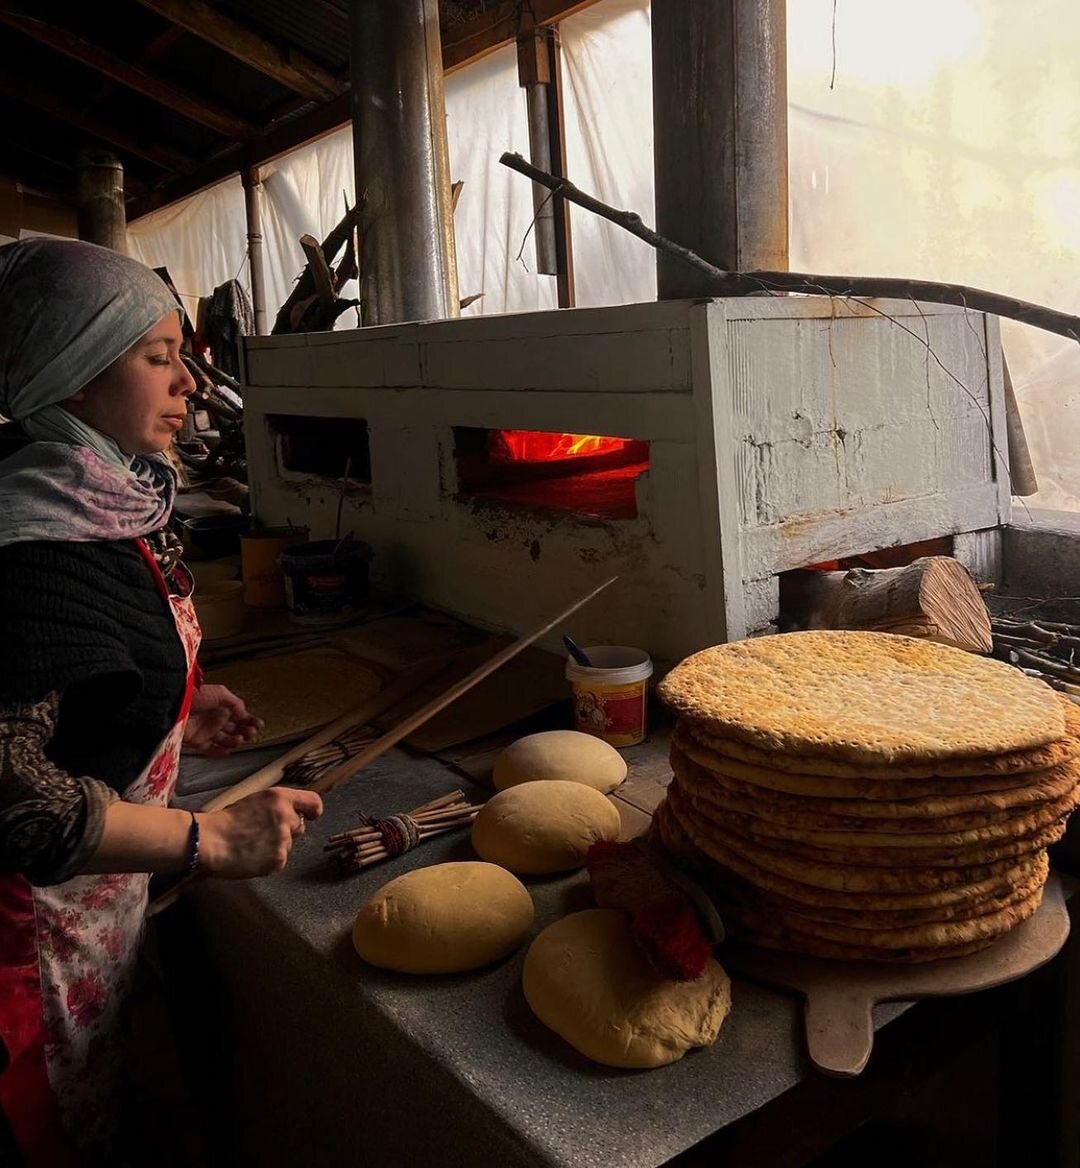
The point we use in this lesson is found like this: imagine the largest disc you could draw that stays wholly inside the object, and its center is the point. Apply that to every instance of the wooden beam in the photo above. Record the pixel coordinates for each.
(181, 101)
(160, 44)
(462, 44)
(286, 65)
(472, 39)
(45, 101)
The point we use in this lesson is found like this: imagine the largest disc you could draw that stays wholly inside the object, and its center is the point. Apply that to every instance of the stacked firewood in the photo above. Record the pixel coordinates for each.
(1041, 648)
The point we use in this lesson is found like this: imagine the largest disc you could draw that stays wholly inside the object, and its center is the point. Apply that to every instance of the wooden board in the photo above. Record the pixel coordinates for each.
(840, 996)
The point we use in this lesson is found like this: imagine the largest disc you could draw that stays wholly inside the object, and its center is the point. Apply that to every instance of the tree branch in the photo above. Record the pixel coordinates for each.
(724, 283)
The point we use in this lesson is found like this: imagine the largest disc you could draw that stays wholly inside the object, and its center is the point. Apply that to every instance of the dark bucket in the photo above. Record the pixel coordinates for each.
(324, 586)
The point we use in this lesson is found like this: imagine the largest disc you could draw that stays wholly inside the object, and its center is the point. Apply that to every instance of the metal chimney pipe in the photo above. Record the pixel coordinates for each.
(408, 269)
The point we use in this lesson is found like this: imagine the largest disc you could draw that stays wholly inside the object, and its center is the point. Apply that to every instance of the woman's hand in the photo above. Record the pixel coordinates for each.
(218, 723)
(254, 836)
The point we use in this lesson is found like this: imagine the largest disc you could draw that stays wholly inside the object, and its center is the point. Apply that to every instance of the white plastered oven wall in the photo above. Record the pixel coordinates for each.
(782, 431)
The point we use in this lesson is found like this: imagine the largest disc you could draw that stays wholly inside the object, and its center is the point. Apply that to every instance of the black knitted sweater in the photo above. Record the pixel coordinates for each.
(86, 621)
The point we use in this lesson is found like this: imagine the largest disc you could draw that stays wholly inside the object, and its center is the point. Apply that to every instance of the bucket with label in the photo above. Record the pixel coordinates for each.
(260, 554)
(611, 696)
(326, 582)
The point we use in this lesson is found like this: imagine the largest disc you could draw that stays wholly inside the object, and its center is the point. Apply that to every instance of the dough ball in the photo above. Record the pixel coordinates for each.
(560, 754)
(586, 979)
(543, 827)
(448, 918)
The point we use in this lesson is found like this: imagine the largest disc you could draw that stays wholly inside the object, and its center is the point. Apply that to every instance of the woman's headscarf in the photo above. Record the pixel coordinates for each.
(68, 309)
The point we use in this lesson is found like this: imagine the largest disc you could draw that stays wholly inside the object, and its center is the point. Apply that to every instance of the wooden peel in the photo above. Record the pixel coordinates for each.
(267, 776)
(409, 681)
(840, 995)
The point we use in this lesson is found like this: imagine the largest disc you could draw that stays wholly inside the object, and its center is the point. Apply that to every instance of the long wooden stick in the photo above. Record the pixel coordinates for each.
(265, 777)
(350, 767)
(404, 728)
(724, 283)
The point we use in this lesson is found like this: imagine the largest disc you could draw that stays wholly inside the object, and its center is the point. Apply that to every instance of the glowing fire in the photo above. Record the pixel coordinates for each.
(537, 446)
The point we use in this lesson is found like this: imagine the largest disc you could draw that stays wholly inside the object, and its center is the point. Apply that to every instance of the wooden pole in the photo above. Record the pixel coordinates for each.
(253, 209)
(102, 219)
(720, 135)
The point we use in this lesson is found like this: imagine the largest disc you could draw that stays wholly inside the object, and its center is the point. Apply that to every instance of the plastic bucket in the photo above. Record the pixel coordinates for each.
(611, 697)
(323, 585)
(219, 606)
(264, 579)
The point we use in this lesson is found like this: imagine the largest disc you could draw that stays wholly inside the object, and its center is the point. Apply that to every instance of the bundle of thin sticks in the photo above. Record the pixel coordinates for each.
(380, 839)
(304, 771)
(1043, 649)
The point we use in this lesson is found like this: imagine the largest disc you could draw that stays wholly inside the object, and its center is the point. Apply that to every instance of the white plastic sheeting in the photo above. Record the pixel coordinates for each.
(944, 147)
(202, 241)
(947, 148)
(607, 83)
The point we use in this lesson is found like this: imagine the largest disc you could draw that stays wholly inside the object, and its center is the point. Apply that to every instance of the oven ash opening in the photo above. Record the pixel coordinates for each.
(590, 475)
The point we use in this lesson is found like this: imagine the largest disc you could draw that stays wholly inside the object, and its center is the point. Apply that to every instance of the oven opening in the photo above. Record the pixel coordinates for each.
(322, 446)
(584, 474)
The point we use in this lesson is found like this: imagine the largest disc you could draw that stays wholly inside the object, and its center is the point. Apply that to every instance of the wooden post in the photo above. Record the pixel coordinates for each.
(252, 181)
(720, 136)
(534, 76)
(564, 248)
(102, 218)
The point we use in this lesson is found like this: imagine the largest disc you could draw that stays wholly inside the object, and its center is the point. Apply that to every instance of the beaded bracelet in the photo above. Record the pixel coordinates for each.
(193, 846)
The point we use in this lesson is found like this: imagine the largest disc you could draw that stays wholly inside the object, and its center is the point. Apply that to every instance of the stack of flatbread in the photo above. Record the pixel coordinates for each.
(867, 796)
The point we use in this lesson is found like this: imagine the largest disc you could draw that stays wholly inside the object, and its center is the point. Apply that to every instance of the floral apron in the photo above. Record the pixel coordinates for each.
(68, 955)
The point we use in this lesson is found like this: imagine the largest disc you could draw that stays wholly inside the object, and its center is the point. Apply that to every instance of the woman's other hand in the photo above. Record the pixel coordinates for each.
(254, 836)
(218, 723)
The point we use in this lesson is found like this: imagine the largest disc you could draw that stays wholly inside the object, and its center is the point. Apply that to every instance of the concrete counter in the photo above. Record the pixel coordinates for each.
(335, 1062)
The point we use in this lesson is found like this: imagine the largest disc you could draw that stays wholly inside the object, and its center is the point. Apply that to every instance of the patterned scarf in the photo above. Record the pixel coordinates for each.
(54, 491)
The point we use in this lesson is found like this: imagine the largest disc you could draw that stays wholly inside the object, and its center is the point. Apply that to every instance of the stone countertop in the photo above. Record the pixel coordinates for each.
(477, 1070)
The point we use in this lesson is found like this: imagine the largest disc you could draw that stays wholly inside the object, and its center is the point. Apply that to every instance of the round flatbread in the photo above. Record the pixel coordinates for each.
(832, 872)
(890, 834)
(939, 935)
(930, 814)
(674, 839)
(983, 772)
(866, 698)
(1009, 789)
(856, 918)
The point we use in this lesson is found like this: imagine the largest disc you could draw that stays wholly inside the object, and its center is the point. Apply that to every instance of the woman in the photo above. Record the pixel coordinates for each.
(98, 684)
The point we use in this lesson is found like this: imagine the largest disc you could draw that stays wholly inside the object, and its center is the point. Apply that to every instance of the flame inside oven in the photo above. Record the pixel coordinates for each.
(523, 446)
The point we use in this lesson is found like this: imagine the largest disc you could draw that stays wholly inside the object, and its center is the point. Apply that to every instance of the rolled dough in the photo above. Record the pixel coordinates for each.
(560, 754)
(587, 980)
(537, 828)
(448, 918)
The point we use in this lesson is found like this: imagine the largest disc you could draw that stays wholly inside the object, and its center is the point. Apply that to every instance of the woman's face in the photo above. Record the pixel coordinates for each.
(141, 399)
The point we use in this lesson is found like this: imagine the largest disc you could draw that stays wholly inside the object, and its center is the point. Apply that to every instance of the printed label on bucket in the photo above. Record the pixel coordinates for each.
(615, 713)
